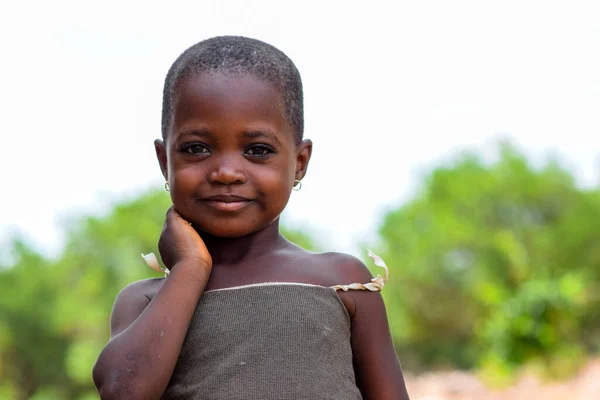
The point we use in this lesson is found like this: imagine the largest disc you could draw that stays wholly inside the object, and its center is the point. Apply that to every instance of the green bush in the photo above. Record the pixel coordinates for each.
(494, 266)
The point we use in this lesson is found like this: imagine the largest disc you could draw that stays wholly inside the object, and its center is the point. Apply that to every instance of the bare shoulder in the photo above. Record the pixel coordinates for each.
(131, 302)
(331, 269)
(143, 288)
(342, 268)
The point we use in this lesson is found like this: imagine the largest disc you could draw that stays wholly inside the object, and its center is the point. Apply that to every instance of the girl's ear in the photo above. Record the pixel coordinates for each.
(161, 155)
(302, 158)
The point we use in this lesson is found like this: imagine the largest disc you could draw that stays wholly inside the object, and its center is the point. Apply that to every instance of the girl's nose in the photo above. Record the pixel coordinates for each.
(226, 172)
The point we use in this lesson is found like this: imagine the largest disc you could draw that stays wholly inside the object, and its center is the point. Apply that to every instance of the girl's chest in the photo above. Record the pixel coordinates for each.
(268, 269)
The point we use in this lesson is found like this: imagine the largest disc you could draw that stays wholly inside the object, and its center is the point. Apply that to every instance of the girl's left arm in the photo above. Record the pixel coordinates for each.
(376, 366)
(377, 369)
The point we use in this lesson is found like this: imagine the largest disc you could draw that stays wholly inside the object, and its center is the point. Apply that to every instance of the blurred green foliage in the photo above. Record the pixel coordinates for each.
(495, 266)
(492, 266)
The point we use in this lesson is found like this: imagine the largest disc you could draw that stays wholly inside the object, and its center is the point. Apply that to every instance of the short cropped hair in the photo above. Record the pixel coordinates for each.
(238, 55)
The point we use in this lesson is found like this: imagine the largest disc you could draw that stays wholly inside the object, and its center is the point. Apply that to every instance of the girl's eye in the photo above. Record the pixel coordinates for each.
(260, 151)
(195, 148)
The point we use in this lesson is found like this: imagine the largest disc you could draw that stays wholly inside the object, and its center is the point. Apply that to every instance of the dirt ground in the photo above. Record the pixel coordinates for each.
(463, 386)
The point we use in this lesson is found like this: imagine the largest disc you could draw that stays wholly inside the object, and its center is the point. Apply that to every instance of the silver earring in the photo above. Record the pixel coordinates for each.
(297, 185)
(167, 186)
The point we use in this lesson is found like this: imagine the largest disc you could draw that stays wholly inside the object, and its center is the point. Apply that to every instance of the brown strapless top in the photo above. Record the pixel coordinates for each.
(267, 341)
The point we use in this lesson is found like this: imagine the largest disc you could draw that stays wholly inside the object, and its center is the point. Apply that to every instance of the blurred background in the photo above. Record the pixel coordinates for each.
(459, 140)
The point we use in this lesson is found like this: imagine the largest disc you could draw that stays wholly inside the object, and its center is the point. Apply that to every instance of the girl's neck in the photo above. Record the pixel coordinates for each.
(235, 250)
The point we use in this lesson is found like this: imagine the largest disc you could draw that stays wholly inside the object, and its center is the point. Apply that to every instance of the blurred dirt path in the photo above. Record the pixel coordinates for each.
(464, 386)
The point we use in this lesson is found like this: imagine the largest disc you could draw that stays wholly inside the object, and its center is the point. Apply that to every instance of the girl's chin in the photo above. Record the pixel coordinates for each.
(224, 232)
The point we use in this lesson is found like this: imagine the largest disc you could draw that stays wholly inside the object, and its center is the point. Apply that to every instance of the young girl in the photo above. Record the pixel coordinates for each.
(243, 313)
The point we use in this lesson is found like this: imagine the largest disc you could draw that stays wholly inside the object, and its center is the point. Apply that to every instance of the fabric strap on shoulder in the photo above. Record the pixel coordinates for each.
(376, 283)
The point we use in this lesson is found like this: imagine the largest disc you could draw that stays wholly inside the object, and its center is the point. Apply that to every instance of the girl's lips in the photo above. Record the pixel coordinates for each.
(228, 205)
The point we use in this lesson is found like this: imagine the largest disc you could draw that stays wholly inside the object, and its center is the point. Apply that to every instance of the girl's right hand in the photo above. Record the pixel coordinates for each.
(180, 242)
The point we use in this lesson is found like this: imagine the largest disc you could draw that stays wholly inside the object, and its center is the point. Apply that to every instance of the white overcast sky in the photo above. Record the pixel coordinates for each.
(391, 89)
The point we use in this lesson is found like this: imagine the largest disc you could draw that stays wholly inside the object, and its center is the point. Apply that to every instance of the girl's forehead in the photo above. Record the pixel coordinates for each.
(233, 87)
(229, 98)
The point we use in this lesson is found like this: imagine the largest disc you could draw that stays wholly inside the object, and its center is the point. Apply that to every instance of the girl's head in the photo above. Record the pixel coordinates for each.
(232, 128)
(236, 55)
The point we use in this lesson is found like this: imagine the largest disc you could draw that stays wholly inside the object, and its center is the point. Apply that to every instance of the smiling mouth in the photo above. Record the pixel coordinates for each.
(227, 203)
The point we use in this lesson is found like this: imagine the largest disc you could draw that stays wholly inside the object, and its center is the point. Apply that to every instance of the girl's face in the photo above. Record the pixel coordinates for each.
(230, 156)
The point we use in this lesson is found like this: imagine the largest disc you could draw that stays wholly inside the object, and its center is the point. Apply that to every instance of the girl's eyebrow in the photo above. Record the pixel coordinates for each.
(195, 132)
(262, 134)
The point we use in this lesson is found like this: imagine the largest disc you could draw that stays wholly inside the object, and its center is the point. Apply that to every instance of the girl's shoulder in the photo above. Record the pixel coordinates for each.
(144, 289)
(346, 273)
(339, 268)
(131, 302)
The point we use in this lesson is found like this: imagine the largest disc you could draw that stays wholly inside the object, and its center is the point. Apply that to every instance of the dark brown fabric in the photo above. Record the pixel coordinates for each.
(274, 341)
